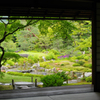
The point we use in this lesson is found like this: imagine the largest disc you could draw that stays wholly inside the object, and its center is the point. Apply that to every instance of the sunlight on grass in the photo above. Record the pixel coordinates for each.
(8, 79)
(33, 53)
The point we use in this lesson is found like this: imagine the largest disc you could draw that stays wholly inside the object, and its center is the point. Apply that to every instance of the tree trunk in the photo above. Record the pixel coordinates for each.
(1, 57)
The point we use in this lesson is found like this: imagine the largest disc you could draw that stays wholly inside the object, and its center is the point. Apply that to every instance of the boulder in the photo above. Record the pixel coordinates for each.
(24, 55)
(3, 68)
(23, 87)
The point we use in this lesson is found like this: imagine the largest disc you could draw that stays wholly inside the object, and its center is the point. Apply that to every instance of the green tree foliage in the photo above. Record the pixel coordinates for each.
(43, 42)
(59, 28)
(9, 46)
(29, 35)
(8, 56)
(9, 27)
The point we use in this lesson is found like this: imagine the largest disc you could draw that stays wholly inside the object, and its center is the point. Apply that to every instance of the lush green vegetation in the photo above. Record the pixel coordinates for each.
(66, 46)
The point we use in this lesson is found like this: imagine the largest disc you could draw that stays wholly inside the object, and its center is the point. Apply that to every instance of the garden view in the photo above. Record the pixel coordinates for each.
(55, 52)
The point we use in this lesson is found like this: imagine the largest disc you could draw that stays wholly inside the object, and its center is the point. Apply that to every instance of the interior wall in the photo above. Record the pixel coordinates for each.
(96, 48)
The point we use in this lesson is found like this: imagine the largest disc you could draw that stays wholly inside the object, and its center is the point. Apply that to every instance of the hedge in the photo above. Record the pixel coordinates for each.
(24, 74)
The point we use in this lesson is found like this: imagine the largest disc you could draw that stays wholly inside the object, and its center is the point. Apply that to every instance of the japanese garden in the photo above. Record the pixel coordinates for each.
(55, 52)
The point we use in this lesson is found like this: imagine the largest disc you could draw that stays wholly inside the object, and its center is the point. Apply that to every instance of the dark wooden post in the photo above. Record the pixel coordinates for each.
(83, 74)
(31, 79)
(35, 82)
(13, 85)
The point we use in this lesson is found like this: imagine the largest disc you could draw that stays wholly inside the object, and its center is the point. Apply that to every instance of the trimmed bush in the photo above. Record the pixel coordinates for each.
(54, 51)
(24, 74)
(15, 73)
(10, 62)
(88, 65)
(43, 64)
(52, 80)
(63, 75)
(22, 61)
(87, 52)
(62, 64)
(76, 64)
(50, 56)
(72, 59)
(86, 58)
(81, 62)
(80, 57)
(34, 58)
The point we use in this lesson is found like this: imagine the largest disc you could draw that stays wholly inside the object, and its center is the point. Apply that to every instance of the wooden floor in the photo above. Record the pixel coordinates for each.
(48, 91)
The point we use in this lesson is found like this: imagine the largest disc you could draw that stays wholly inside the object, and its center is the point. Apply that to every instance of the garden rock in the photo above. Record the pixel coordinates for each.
(25, 71)
(76, 60)
(87, 74)
(23, 87)
(60, 70)
(1, 84)
(36, 65)
(44, 73)
(4, 68)
(44, 58)
(54, 69)
(7, 84)
(24, 55)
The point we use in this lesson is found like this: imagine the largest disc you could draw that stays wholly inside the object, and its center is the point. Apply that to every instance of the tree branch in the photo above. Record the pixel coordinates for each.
(29, 23)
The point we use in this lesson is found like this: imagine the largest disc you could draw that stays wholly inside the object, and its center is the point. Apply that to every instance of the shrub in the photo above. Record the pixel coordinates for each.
(81, 62)
(83, 79)
(80, 57)
(76, 64)
(15, 73)
(30, 61)
(87, 52)
(62, 64)
(22, 61)
(52, 80)
(63, 75)
(54, 51)
(72, 59)
(50, 56)
(10, 62)
(44, 64)
(41, 59)
(86, 58)
(34, 58)
(32, 75)
(89, 79)
(43, 51)
(88, 65)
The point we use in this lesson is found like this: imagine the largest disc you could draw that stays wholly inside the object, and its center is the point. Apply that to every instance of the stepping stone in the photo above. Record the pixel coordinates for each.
(1, 84)
(7, 84)
(23, 87)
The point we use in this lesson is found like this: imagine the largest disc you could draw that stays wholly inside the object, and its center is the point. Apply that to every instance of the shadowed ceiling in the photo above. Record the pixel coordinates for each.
(49, 9)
